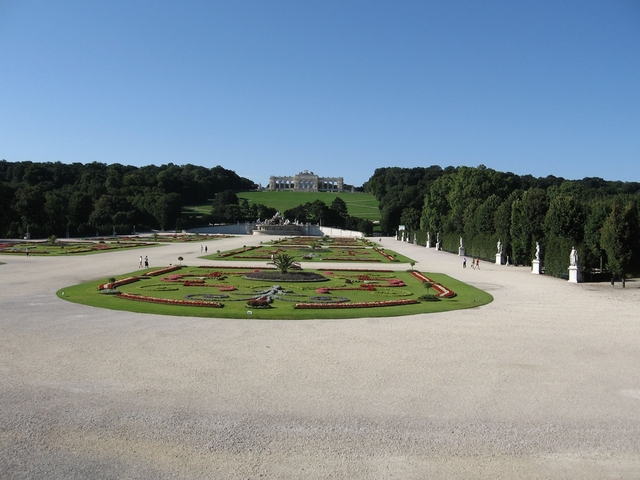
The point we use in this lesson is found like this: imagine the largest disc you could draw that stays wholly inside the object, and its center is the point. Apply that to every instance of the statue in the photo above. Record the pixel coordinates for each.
(573, 258)
(438, 237)
(538, 251)
(428, 239)
(499, 246)
(461, 244)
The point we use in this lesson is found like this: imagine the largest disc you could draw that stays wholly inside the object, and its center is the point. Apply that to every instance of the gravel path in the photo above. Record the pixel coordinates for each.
(544, 382)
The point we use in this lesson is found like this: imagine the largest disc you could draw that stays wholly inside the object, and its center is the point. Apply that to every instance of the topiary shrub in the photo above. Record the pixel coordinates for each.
(429, 298)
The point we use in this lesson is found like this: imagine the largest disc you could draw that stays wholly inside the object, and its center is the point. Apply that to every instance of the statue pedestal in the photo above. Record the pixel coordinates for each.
(535, 267)
(574, 274)
(438, 246)
(428, 244)
(461, 252)
(498, 259)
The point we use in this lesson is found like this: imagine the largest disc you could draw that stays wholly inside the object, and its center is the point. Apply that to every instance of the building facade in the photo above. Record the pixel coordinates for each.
(307, 182)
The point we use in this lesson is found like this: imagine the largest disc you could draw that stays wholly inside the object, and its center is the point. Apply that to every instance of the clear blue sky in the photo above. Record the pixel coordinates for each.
(336, 87)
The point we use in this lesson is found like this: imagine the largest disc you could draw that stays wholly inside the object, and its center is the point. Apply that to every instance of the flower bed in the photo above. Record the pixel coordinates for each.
(170, 301)
(443, 292)
(348, 259)
(163, 270)
(384, 254)
(237, 252)
(117, 283)
(330, 272)
(386, 303)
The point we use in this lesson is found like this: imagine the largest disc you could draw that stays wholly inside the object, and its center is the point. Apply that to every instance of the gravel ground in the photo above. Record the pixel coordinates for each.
(544, 382)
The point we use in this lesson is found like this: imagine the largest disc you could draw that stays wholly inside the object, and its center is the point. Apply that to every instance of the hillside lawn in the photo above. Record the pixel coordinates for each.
(361, 205)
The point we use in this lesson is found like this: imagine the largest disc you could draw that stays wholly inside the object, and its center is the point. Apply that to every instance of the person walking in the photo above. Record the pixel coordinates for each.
(140, 262)
(464, 262)
(478, 263)
(146, 262)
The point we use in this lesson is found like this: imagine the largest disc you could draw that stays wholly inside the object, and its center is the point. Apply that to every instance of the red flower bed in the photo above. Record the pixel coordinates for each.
(386, 303)
(238, 252)
(347, 259)
(228, 267)
(117, 283)
(170, 301)
(384, 254)
(443, 291)
(163, 270)
(354, 270)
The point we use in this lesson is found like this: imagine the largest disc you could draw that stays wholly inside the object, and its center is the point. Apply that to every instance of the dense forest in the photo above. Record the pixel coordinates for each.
(600, 218)
(59, 199)
(85, 199)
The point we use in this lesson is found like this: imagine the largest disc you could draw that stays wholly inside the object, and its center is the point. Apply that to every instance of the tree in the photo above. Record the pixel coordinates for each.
(167, 209)
(527, 218)
(340, 207)
(28, 204)
(621, 238)
(410, 218)
(283, 262)
(565, 218)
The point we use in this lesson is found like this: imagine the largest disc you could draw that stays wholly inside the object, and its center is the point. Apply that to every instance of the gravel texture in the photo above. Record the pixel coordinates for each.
(544, 382)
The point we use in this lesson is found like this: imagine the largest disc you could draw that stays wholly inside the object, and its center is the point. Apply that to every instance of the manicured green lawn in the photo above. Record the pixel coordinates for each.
(361, 205)
(229, 287)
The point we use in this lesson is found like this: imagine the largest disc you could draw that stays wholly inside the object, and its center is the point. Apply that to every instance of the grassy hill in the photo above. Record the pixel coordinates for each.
(361, 205)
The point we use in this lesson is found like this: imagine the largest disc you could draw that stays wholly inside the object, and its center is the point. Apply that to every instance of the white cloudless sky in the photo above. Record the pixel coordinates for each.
(339, 88)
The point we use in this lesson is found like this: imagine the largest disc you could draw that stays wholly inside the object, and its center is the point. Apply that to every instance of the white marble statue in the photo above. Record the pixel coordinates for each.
(499, 246)
(538, 251)
(573, 258)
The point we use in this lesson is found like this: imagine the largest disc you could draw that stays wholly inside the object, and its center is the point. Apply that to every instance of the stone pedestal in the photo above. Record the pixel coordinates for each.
(461, 252)
(574, 274)
(438, 246)
(498, 259)
(535, 267)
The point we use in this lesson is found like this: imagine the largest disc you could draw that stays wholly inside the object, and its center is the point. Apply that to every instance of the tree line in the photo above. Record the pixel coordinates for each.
(77, 199)
(600, 218)
(86, 199)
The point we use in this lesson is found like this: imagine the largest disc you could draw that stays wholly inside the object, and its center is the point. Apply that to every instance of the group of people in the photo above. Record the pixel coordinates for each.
(203, 249)
(143, 262)
(475, 263)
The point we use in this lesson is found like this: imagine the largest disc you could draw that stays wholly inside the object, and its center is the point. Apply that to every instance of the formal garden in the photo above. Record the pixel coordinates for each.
(281, 292)
(315, 249)
(54, 246)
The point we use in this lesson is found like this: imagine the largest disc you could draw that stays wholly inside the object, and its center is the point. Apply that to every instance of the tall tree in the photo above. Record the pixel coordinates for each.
(621, 238)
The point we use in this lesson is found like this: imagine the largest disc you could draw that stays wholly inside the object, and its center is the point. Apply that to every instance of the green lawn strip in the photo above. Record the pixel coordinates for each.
(467, 297)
